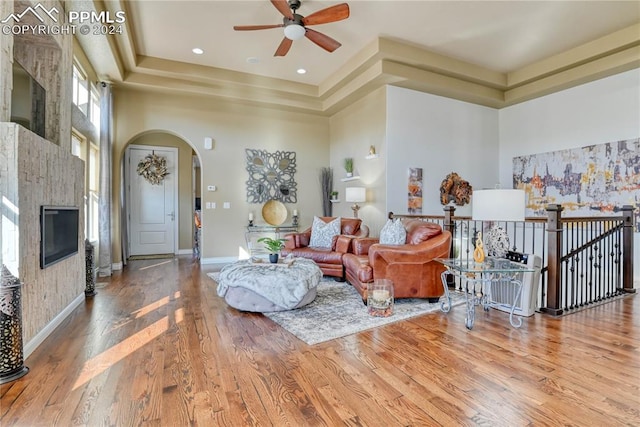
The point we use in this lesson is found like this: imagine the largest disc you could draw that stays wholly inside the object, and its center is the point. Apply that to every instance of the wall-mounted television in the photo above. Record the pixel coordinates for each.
(58, 233)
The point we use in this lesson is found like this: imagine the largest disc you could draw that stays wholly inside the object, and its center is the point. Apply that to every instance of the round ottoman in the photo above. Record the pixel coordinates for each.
(265, 287)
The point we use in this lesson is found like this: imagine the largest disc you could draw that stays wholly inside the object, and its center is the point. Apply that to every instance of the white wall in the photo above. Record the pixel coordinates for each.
(441, 136)
(353, 130)
(602, 111)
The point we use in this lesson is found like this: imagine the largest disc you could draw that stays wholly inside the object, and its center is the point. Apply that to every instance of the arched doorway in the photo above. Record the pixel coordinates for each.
(159, 217)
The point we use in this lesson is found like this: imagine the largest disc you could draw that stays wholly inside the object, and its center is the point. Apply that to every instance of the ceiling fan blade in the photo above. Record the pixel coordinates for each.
(283, 8)
(322, 40)
(329, 14)
(284, 47)
(255, 27)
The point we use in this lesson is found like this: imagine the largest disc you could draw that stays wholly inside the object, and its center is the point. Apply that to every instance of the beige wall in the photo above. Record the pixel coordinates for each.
(353, 131)
(185, 191)
(233, 127)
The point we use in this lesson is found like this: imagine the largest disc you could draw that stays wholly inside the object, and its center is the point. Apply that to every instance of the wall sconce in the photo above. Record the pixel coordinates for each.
(356, 195)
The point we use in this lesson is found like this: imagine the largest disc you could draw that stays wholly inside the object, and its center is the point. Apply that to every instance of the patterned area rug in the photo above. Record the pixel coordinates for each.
(338, 311)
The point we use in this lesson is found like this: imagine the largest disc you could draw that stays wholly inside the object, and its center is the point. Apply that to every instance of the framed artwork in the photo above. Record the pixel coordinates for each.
(414, 191)
(588, 181)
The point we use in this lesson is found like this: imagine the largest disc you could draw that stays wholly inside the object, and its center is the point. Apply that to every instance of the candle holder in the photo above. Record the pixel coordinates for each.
(380, 298)
(250, 223)
(295, 220)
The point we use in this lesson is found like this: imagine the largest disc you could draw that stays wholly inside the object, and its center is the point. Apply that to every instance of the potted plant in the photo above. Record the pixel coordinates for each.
(334, 195)
(348, 166)
(273, 246)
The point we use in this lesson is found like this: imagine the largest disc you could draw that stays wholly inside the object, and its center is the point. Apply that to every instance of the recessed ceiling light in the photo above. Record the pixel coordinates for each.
(301, 71)
(253, 60)
(197, 51)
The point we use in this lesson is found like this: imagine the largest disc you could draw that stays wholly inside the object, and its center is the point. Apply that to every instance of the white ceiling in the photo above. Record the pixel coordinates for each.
(503, 36)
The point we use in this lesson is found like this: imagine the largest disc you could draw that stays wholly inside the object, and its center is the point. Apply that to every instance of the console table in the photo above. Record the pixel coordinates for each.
(476, 279)
(255, 232)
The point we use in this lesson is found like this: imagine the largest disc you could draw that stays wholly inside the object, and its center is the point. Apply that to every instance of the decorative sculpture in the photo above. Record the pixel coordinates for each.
(454, 188)
(478, 252)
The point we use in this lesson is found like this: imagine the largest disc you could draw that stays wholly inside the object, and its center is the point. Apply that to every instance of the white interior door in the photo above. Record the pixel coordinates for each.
(152, 207)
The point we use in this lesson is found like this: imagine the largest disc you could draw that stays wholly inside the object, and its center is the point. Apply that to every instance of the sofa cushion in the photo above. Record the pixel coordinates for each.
(421, 231)
(318, 255)
(323, 233)
(393, 233)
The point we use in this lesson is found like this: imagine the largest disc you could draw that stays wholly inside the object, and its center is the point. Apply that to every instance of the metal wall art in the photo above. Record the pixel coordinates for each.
(271, 176)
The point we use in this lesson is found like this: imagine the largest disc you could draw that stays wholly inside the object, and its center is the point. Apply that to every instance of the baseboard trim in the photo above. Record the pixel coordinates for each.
(185, 251)
(218, 260)
(116, 266)
(51, 326)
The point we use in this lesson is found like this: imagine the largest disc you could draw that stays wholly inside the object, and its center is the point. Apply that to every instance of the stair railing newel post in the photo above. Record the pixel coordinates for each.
(554, 260)
(627, 249)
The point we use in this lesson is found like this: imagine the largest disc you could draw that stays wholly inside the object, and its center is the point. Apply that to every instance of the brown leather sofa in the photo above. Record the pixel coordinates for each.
(411, 266)
(329, 260)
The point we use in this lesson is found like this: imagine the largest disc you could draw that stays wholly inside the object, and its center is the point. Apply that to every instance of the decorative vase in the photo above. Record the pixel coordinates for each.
(273, 258)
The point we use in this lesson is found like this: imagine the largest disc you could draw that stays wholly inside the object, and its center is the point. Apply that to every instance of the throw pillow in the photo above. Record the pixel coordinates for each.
(393, 233)
(322, 233)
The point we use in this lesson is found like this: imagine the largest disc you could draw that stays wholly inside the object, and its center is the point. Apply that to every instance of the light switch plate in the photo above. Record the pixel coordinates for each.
(227, 205)
(211, 188)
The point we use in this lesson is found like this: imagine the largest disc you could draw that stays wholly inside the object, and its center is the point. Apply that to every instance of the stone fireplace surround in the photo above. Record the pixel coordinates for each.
(35, 171)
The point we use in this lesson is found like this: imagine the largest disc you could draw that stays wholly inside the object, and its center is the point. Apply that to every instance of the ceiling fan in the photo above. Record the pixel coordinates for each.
(295, 26)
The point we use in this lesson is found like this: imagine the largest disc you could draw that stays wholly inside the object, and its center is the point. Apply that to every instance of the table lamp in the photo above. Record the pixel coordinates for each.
(355, 195)
(496, 205)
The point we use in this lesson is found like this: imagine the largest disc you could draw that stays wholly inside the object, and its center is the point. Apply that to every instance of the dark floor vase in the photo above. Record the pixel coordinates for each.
(273, 258)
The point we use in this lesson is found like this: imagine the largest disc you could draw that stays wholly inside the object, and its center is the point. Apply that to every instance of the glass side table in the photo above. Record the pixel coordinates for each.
(476, 279)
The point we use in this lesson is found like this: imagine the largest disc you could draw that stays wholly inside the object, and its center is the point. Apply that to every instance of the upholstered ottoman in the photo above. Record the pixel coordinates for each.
(264, 287)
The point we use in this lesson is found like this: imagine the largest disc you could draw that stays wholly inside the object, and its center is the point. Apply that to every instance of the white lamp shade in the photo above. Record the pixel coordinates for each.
(498, 205)
(356, 194)
(294, 31)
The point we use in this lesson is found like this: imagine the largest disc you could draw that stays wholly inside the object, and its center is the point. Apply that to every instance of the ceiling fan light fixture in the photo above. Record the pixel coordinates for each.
(294, 31)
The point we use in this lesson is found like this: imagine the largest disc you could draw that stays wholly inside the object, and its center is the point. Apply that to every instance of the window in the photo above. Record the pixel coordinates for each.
(95, 107)
(90, 153)
(93, 192)
(80, 89)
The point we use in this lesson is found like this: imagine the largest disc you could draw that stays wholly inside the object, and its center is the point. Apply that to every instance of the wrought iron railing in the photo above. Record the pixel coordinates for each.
(585, 260)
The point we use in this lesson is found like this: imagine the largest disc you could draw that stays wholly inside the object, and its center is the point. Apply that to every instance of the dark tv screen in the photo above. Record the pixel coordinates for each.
(58, 233)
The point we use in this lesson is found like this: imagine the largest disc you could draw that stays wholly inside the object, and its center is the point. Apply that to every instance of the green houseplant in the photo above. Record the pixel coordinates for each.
(348, 165)
(273, 246)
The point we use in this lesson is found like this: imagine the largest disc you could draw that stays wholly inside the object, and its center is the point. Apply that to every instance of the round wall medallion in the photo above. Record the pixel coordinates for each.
(274, 212)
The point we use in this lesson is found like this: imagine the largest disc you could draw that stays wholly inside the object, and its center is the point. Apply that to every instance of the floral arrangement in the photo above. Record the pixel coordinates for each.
(153, 168)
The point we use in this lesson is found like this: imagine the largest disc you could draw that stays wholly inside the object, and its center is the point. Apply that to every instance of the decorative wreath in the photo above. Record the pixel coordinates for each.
(153, 168)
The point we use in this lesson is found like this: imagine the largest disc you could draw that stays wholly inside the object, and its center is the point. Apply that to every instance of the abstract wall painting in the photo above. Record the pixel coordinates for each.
(414, 191)
(589, 181)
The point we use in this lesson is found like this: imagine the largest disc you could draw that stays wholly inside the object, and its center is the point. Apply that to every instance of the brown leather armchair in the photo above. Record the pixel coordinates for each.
(411, 266)
(329, 260)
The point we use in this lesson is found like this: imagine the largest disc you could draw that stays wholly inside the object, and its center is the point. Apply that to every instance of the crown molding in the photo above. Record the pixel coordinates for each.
(382, 62)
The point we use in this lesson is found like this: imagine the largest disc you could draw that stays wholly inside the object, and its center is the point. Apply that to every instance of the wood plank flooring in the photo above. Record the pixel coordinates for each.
(157, 347)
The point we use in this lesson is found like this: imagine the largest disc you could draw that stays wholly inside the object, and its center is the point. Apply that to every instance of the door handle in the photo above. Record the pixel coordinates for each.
(172, 215)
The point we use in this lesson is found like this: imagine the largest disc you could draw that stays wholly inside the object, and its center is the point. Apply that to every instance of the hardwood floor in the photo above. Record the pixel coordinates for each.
(158, 347)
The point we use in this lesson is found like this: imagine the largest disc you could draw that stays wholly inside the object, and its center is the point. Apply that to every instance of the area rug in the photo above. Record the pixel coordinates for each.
(338, 311)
